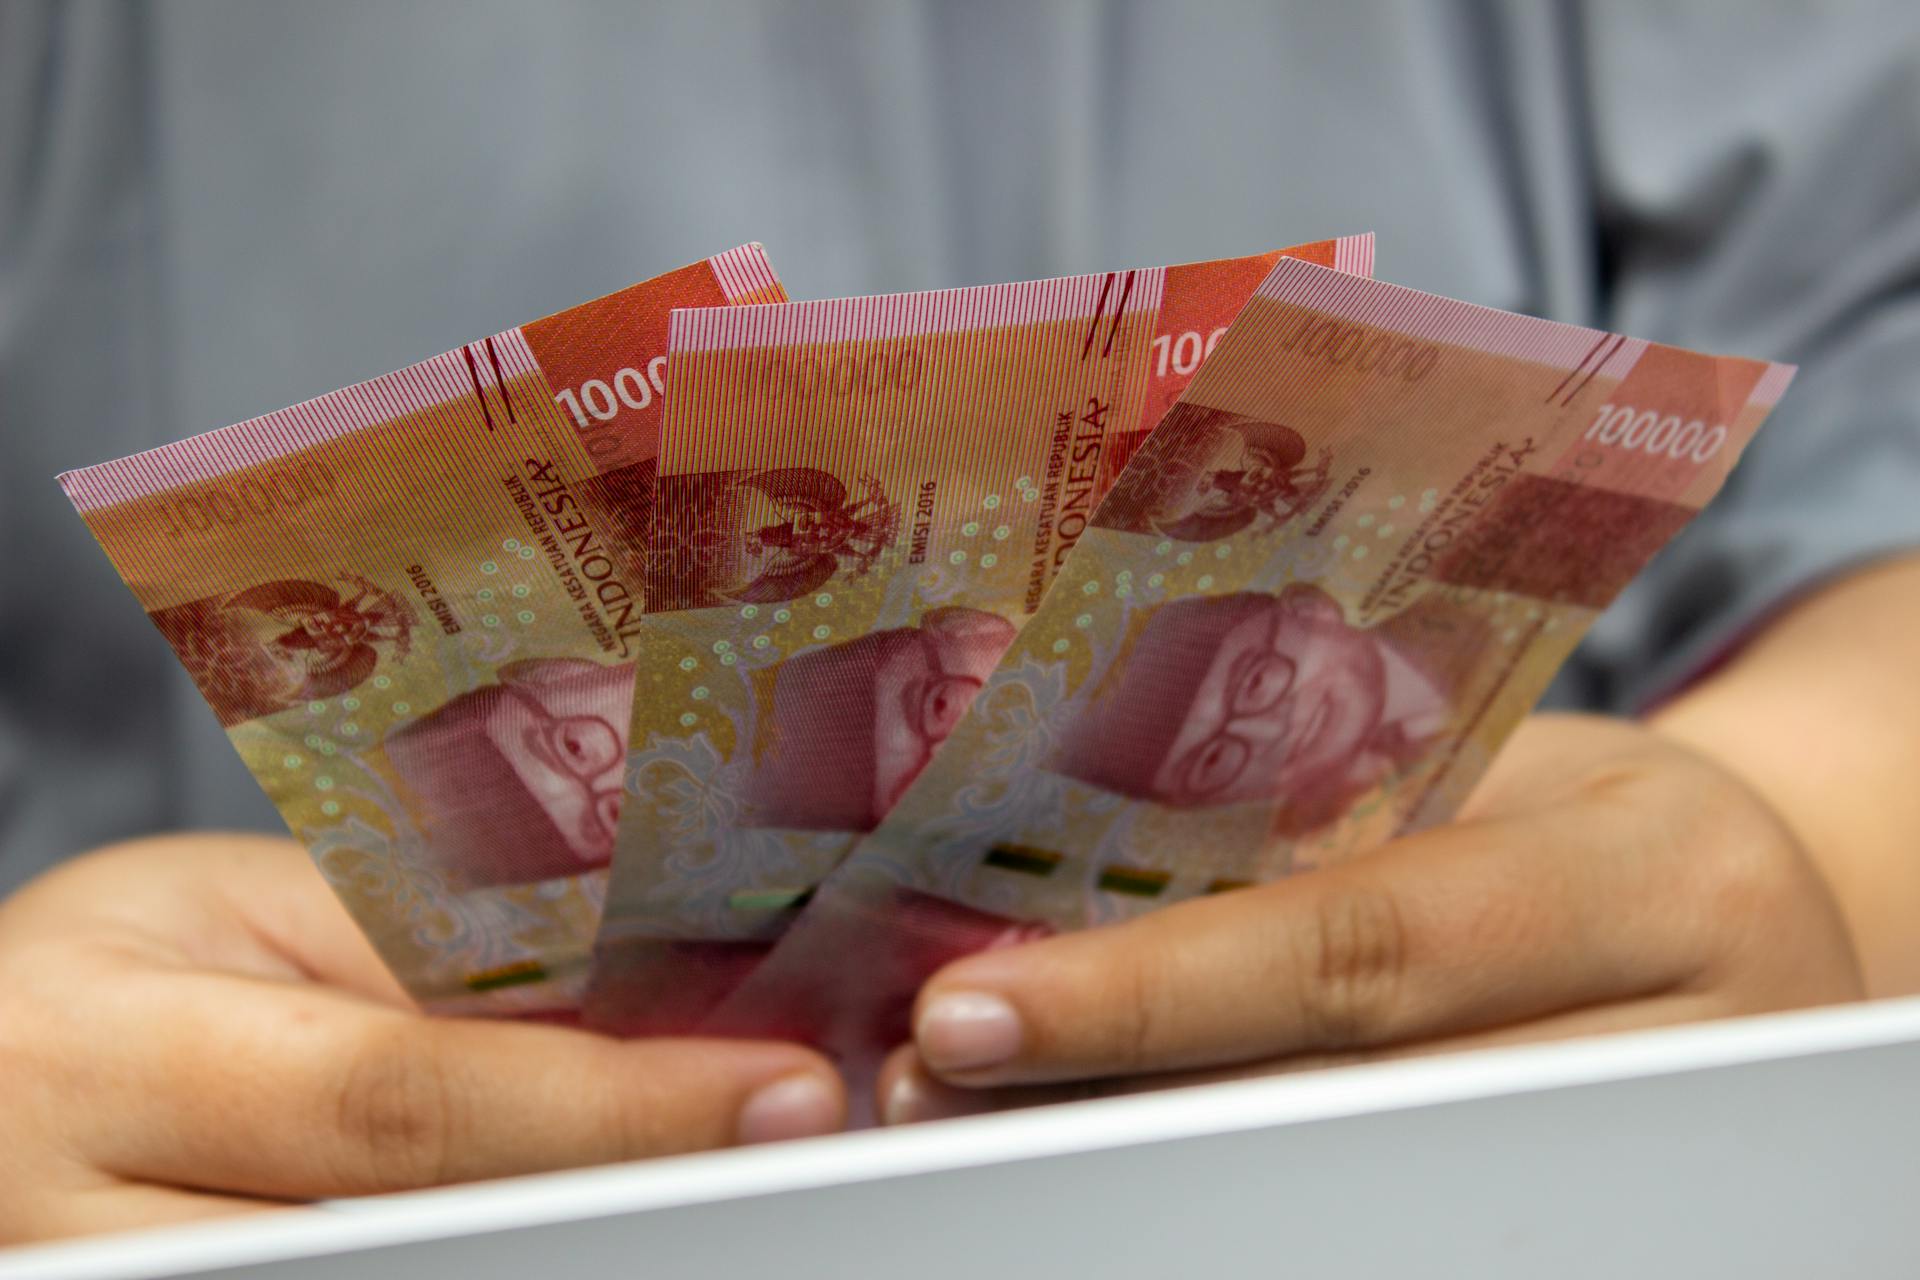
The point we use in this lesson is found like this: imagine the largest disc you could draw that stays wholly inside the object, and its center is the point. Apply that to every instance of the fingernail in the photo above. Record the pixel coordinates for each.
(799, 1106)
(914, 1099)
(968, 1030)
(906, 1100)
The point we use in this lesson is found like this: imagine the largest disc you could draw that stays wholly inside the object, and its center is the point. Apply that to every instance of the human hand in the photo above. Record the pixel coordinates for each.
(1602, 877)
(192, 1026)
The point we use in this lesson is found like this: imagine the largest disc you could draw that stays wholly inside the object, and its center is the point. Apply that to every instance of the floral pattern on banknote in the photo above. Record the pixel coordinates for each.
(690, 790)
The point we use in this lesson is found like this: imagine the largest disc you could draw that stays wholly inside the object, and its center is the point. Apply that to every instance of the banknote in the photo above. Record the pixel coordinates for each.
(1337, 574)
(860, 499)
(412, 604)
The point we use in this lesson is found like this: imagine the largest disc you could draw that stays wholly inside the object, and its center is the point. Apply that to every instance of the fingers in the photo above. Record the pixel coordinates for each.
(195, 1028)
(909, 1093)
(293, 1091)
(1469, 926)
(243, 904)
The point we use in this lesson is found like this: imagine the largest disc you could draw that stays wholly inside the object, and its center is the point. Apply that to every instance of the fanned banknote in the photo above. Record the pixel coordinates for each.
(412, 603)
(1320, 595)
(859, 500)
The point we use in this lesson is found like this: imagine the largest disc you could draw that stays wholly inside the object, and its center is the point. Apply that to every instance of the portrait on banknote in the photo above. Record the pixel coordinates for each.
(846, 728)
(1274, 698)
(519, 779)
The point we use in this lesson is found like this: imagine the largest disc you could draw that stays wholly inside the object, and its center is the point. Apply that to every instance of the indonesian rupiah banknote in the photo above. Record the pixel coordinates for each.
(1319, 596)
(412, 604)
(860, 500)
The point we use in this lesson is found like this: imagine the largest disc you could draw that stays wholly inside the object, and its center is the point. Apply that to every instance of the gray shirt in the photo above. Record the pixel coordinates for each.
(209, 210)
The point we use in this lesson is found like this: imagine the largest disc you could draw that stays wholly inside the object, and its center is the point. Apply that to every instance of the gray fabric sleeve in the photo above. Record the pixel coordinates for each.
(85, 694)
(1767, 205)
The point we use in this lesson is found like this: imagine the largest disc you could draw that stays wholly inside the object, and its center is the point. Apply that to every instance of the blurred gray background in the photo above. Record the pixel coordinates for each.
(209, 210)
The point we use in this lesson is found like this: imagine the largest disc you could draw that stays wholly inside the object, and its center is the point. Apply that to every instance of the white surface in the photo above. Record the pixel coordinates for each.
(1775, 1146)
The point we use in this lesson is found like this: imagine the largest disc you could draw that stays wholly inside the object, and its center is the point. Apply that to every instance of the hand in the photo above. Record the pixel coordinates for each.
(193, 1026)
(1600, 878)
